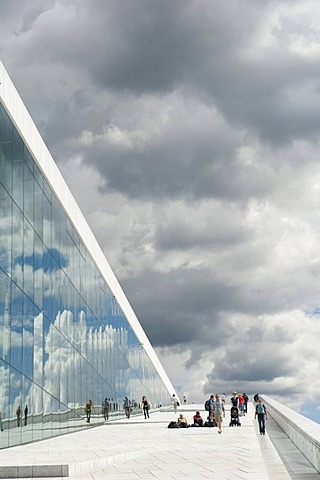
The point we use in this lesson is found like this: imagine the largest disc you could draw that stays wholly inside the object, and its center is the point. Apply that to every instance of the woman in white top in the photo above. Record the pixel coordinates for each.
(175, 403)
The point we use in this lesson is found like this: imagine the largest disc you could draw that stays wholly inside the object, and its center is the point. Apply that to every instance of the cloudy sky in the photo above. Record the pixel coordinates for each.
(188, 132)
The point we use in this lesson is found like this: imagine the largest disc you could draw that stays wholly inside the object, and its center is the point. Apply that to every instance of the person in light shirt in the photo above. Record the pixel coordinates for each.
(175, 403)
(219, 412)
(262, 414)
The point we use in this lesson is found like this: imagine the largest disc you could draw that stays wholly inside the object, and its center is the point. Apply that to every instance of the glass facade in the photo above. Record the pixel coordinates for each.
(63, 337)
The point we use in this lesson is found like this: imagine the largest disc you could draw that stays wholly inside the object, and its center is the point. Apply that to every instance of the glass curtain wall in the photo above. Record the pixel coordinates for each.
(63, 338)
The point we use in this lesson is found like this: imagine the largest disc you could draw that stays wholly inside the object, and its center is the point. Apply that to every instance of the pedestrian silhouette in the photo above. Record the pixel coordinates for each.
(26, 415)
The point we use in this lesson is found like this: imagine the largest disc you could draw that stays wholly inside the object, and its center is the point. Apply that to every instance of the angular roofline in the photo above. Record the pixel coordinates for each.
(20, 116)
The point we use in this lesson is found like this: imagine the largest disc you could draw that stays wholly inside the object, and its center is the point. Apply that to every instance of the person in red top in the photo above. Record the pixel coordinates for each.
(197, 419)
(241, 404)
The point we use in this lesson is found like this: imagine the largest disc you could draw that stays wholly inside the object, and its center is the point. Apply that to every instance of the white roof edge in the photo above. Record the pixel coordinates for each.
(32, 138)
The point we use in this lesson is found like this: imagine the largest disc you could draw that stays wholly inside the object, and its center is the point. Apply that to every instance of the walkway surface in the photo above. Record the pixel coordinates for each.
(145, 449)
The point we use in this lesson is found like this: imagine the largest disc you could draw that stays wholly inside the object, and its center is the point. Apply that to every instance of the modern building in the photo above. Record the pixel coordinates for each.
(67, 331)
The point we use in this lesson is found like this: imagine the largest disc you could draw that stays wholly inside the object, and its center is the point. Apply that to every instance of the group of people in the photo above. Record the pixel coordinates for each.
(108, 406)
(215, 405)
(240, 400)
(145, 405)
(260, 411)
(199, 422)
(18, 415)
(216, 408)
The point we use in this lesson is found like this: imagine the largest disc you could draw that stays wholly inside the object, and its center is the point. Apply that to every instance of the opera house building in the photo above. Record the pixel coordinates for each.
(67, 331)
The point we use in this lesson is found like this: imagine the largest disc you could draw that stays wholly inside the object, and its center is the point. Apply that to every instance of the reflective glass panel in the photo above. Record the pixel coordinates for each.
(64, 340)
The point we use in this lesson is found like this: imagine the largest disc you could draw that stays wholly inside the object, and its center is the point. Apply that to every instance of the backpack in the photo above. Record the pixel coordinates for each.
(234, 401)
(172, 425)
(207, 405)
(258, 410)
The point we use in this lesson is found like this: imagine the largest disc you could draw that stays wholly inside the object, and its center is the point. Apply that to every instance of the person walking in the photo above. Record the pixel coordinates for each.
(241, 404)
(106, 408)
(88, 410)
(127, 407)
(26, 415)
(210, 404)
(175, 403)
(18, 413)
(145, 406)
(262, 414)
(234, 400)
(219, 412)
(246, 400)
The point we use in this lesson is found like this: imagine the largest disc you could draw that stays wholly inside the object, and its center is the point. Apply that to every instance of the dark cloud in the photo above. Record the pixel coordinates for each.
(189, 306)
(195, 155)
(174, 308)
(249, 366)
(117, 48)
(186, 235)
(158, 47)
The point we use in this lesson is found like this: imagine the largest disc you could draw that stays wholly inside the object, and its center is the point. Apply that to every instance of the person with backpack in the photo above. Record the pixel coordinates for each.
(262, 414)
(175, 403)
(209, 406)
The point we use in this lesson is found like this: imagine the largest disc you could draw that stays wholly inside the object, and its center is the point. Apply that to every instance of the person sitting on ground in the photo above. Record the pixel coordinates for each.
(182, 422)
(197, 420)
(209, 422)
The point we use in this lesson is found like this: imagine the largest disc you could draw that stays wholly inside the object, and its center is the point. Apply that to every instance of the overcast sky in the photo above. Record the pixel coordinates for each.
(188, 132)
